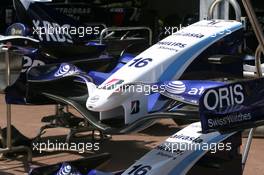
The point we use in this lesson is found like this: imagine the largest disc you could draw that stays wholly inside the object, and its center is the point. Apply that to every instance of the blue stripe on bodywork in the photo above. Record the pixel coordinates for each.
(174, 67)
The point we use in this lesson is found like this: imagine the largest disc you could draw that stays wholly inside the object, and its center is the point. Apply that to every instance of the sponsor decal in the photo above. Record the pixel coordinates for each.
(65, 70)
(30, 62)
(135, 107)
(52, 32)
(229, 119)
(193, 35)
(232, 107)
(167, 48)
(167, 148)
(226, 96)
(74, 10)
(178, 87)
(175, 87)
(173, 44)
(196, 91)
(74, 13)
(112, 84)
(187, 138)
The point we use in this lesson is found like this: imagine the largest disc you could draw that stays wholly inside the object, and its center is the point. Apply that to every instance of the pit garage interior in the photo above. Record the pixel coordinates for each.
(163, 18)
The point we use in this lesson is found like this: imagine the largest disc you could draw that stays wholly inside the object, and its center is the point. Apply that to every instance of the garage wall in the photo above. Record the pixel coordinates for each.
(182, 7)
(167, 7)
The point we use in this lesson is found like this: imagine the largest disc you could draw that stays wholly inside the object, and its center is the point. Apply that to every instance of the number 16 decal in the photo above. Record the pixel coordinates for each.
(140, 170)
(140, 62)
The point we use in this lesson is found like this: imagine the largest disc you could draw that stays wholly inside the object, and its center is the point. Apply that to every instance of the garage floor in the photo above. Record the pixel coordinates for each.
(125, 149)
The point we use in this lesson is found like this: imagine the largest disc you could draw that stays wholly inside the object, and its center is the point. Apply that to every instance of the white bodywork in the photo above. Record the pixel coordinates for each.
(164, 61)
(178, 154)
(10, 38)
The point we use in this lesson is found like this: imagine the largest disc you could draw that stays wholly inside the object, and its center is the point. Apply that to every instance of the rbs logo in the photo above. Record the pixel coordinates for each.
(226, 96)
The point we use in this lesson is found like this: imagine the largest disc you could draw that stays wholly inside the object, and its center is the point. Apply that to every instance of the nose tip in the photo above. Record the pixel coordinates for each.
(92, 105)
